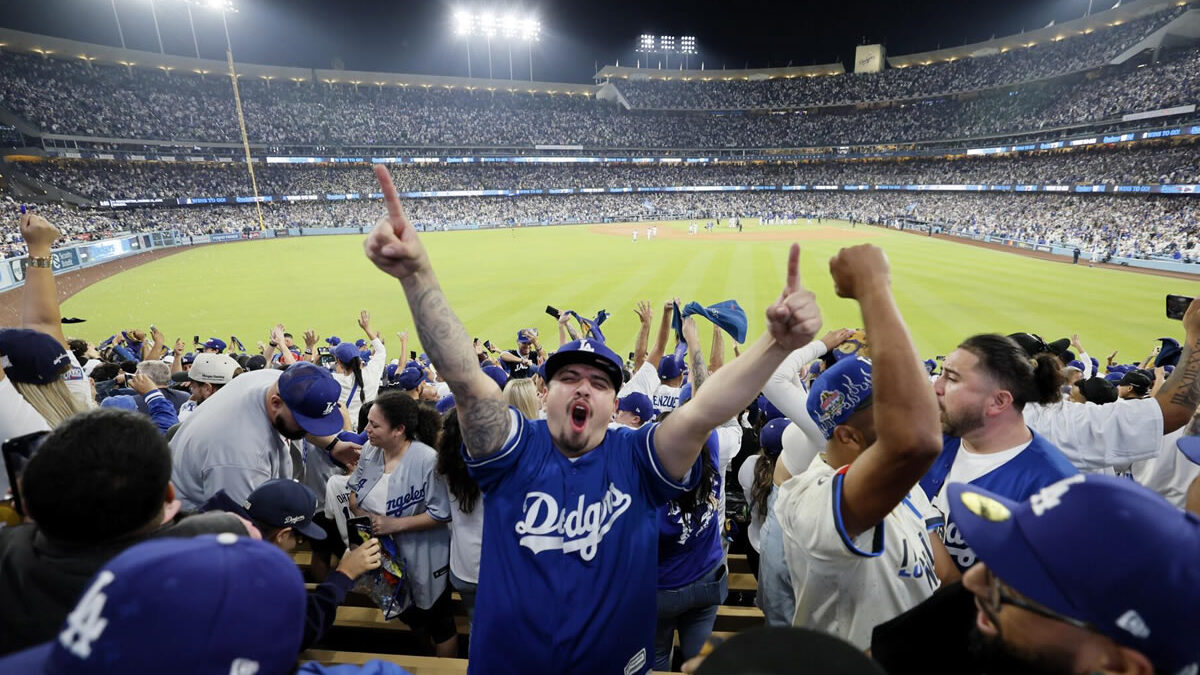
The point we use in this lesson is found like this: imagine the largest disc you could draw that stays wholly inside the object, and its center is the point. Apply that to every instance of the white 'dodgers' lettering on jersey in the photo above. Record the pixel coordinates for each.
(548, 528)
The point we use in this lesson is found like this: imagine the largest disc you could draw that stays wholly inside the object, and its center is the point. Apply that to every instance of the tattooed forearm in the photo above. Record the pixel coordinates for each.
(442, 335)
(699, 373)
(1183, 386)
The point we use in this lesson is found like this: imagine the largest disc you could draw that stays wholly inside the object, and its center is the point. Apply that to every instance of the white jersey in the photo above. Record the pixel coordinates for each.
(846, 586)
(372, 375)
(466, 540)
(78, 383)
(17, 418)
(1096, 438)
(1170, 473)
(645, 381)
(746, 480)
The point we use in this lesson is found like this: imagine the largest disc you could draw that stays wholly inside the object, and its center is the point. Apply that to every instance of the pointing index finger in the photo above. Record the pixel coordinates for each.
(390, 198)
(793, 273)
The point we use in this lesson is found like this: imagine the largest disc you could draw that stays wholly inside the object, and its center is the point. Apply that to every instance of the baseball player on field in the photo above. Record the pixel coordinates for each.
(571, 506)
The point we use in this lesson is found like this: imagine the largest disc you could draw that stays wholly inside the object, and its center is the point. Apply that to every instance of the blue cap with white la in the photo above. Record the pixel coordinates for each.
(216, 344)
(587, 352)
(208, 604)
(839, 392)
(311, 394)
(639, 404)
(1098, 549)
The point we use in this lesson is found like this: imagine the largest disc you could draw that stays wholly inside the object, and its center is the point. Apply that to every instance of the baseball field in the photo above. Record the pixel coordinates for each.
(500, 281)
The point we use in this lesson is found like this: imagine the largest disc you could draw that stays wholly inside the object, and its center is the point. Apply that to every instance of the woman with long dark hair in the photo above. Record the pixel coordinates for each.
(395, 485)
(757, 478)
(466, 505)
(359, 380)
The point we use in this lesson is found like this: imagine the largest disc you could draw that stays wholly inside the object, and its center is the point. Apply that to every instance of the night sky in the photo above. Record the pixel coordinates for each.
(414, 36)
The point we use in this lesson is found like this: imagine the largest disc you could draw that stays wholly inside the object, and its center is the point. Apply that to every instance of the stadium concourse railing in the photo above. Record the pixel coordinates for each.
(88, 254)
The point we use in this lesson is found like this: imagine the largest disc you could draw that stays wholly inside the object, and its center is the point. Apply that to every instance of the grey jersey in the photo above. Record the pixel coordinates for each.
(412, 488)
(229, 444)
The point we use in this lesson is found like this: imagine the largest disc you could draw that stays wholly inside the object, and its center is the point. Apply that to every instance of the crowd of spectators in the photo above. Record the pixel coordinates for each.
(71, 97)
(1133, 226)
(1026, 64)
(107, 179)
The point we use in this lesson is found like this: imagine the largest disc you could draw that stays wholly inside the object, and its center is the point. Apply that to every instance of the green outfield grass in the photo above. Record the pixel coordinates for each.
(501, 280)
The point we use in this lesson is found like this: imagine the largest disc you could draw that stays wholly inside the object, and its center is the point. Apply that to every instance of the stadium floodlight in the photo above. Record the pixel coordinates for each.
(666, 43)
(508, 28)
(687, 44)
(646, 43)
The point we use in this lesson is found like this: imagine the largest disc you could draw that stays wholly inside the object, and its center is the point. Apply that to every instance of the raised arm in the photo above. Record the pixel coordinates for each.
(1180, 394)
(643, 338)
(664, 329)
(907, 425)
(311, 339)
(792, 321)
(716, 357)
(39, 301)
(393, 246)
(697, 370)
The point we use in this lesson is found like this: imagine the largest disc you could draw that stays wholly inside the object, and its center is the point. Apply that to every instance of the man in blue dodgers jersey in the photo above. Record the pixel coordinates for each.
(869, 557)
(984, 385)
(570, 534)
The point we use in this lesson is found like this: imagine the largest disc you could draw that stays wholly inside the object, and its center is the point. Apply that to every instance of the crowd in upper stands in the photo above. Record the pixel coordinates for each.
(1040, 61)
(102, 101)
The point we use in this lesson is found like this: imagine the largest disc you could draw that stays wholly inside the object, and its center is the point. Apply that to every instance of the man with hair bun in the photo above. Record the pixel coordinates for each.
(984, 387)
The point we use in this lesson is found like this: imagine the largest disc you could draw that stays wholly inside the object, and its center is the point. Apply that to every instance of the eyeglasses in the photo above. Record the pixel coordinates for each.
(999, 594)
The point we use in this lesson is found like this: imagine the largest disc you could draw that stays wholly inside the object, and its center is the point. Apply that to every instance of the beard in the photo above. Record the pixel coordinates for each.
(961, 422)
(993, 656)
(290, 433)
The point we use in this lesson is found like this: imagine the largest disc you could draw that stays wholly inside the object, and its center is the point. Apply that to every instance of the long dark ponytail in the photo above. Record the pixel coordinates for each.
(356, 366)
(764, 480)
(451, 465)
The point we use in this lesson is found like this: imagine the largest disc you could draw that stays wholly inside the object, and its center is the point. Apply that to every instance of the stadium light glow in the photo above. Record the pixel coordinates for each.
(687, 44)
(645, 43)
(507, 28)
(666, 43)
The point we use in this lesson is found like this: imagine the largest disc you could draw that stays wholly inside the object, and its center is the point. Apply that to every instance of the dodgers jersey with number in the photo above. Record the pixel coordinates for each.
(570, 554)
(1038, 465)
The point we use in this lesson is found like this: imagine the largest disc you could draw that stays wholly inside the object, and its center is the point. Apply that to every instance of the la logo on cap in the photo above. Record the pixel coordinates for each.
(329, 407)
(585, 347)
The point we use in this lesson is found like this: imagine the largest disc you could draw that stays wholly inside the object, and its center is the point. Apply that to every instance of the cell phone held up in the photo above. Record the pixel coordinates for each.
(553, 312)
(1177, 305)
(359, 531)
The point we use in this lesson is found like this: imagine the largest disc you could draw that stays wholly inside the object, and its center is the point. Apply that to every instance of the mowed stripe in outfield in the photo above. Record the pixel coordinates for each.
(501, 280)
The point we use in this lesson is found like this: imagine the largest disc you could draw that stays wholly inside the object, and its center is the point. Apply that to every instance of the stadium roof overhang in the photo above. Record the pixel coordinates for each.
(624, 72)
(1053, 33)
(18, 41)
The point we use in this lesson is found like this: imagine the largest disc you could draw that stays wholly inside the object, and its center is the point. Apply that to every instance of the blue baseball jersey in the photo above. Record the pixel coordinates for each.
(570, 554)
(1038, 465)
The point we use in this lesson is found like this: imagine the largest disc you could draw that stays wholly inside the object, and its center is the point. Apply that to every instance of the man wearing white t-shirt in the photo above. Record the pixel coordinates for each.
(985, 385)
(856, 537)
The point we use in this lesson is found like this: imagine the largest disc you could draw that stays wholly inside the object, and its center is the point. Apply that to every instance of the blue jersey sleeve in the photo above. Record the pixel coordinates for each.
(660, 486)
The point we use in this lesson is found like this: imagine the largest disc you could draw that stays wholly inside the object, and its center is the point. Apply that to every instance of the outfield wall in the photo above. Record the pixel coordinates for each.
(88, 254)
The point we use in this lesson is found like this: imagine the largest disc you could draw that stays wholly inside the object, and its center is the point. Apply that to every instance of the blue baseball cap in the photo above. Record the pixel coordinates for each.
(189, 358)
(282, 502)
(445, 404)
(311, 394)
(1189, 446)
(345, 353)
(1169, 353)
(120, 401)
(497, 374)
(188, 606)
(389, 372)
(770, 439)
(767, 409)
(521, 339)
(639, 404)
(408, 379)
(1076, 364)
(839, 392)
(32, 357)
(215, 343)
(360, 342)
(1098, 549)
(588, 352)
(333, 341)
(669, 367)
